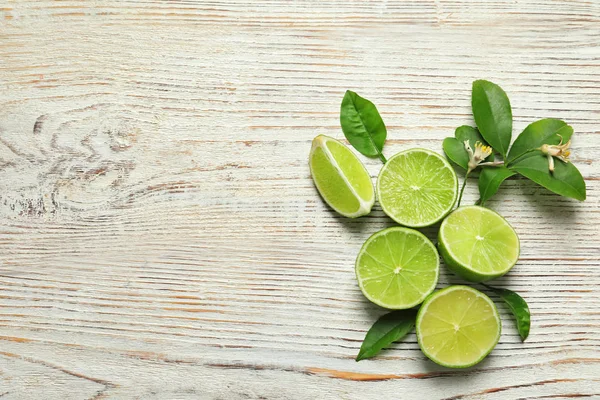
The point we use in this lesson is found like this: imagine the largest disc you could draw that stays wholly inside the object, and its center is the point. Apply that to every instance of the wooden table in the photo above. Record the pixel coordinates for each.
(161, 237)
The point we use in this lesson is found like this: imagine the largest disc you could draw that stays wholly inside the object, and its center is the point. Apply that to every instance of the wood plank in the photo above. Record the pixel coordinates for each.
(160, 235)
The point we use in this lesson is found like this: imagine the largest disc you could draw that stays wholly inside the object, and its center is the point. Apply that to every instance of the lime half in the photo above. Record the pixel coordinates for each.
(458, 326)
(478, 244)
(340, 177)
(417, 188)
(397, 268)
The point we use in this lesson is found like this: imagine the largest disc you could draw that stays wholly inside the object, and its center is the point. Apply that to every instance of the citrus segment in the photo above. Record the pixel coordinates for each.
(340, 177)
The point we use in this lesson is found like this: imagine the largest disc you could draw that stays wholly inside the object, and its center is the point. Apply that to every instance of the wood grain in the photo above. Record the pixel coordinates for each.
(160, 236)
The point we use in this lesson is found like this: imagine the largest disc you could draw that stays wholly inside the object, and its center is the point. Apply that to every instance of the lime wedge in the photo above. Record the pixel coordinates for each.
(397, 268)
(478, 244)
(417, 188)
(340, 177)
(458, 326)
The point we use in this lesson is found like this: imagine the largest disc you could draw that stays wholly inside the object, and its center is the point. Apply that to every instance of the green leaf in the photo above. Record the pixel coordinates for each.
(362, 125)
(455, 147)
(518, 306)
(490, 180)
(493, 115)
(566, 179)
(466, 132)
(544, 131)
(388, 329)
(455, 151)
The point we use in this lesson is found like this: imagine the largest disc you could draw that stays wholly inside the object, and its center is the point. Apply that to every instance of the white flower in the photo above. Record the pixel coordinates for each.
(476, 157)
(560, 151)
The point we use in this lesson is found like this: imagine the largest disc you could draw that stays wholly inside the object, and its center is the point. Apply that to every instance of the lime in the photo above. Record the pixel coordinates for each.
(458, 326)
(340, 177)
(397, 268)
(478, 244)
(417, 188)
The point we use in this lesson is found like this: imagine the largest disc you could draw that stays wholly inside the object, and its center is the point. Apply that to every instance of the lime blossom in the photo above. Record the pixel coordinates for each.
(476, 157)
(560, 151)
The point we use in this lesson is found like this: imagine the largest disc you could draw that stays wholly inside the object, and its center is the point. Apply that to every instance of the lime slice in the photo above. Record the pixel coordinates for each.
(458, 326)
(417, 188)
(478, 244)
(397, 268)
(340, 177)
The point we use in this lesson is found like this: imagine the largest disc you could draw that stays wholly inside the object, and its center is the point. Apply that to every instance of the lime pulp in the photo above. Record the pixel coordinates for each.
(397, 268)
(458, 326)
(340, 177)
(478, 244)
(417, 188)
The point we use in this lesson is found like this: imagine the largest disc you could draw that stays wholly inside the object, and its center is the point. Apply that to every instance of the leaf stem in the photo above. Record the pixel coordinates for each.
(492, 164)
(462, 189)
(381, 156)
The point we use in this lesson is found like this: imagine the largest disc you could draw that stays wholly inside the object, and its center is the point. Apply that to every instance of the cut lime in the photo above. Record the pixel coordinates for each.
(458, 326)
(478, 244)
(340, 177)
(397, 268)
(417, 188)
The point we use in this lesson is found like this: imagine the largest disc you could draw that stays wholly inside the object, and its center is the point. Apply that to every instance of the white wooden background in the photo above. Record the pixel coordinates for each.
(161, 238)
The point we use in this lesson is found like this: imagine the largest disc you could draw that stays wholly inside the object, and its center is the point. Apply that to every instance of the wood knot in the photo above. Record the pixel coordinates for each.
(74, 160)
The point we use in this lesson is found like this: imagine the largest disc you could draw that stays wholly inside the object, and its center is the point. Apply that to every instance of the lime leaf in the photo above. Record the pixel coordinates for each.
(493, 115)
(388, 329)
(490, 180)
(362, 125)
(466, 132)
(566, 179)
(455, 147)
(544, 131)
(519, 308)
(455, 151)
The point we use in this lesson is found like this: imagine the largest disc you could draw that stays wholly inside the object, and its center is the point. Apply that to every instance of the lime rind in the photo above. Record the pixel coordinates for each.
(482, 353)
(414, 278)
(499, 252)
(443, 209)
(364, 205)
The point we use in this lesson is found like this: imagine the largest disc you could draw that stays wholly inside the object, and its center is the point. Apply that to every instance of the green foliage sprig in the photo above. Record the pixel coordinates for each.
(540, 153)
